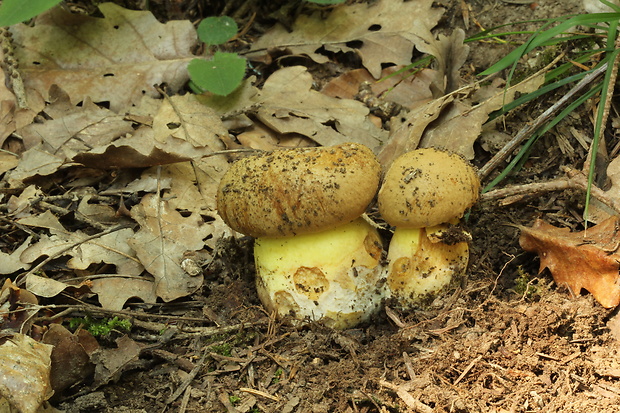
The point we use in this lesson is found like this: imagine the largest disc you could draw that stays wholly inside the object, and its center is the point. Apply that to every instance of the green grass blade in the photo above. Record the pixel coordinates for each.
(521, 156)
(543, 36)
(599, 116)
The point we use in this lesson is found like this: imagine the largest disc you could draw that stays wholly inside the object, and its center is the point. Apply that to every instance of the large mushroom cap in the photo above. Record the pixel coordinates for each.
(298, 191)
(427, 187)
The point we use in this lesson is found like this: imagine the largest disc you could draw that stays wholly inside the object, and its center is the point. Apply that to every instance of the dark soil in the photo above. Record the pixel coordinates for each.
(506, 340)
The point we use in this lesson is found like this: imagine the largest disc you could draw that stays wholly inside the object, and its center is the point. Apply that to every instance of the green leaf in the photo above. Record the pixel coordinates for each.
(17, 11)
(326, 2)
(221, 75)
(217, 30)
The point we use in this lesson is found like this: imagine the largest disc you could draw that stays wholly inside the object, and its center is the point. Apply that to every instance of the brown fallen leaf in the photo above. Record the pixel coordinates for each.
(16, 308)
(288, 104)
(114, 290)
(110, 363)
(587, 259)
(118, 58)
(385, 31)
(161, 242)
(409, 89)
(70, 356)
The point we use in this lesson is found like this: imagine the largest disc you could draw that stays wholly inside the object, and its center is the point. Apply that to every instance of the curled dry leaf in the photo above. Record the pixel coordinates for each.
(588, 259)
(111, 363)
(17, 307)
(25, 372)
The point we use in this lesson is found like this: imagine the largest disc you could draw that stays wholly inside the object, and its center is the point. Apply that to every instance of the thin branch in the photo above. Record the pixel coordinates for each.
(529, 129)
(574, 179)
(22, 277)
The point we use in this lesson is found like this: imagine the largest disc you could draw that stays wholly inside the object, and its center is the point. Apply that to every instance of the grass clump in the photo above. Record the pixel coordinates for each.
(588, 42)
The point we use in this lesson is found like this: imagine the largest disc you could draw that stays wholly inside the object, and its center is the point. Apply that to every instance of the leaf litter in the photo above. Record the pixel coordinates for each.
(110, 201)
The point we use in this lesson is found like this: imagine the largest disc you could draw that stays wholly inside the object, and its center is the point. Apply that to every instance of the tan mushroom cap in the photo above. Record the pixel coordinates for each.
(298, 191)
(427, 187)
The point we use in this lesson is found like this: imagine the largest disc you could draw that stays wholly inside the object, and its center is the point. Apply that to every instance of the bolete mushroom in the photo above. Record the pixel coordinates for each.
(315, 257)
(424, 192)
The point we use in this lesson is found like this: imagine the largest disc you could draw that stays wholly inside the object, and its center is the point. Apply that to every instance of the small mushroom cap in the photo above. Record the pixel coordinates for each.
(427, 187)
(298, 191)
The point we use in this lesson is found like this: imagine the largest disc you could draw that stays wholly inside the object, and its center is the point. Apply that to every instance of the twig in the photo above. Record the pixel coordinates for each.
(192, 374)
(135, 317)
(77, 214)
(259, 393)
(530, 128)
(22, 277)
(467, 369)
(185, 399)
(407, 398)
(574, 180)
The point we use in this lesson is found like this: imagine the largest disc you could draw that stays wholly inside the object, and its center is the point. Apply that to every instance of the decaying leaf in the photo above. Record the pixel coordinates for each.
(164, 237)
(406, 133)
(450, 53)
(289, 105)
(139, 151)
(25, 372)
(381, 32)
(69, 129)
(110, 248)
(17, 307)
(10, 263)
(580, 260)
(8, 161)
(110, 363)
(70, 356)
(116, 59)
(451, 123)
(113, 290)
(184, 117)
(406, 89)
(458, 128)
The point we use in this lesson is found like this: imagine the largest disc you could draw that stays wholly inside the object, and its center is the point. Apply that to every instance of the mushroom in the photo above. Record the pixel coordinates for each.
(316, 258)
(424, 193)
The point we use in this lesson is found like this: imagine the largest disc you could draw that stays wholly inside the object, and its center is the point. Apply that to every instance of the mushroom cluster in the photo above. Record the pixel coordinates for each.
(318, 257)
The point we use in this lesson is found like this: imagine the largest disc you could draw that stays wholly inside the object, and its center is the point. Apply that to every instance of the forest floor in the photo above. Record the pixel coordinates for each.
(506, 340)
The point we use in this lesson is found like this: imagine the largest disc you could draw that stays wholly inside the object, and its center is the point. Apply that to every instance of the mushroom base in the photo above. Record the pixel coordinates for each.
(332, 275)
(421, 266)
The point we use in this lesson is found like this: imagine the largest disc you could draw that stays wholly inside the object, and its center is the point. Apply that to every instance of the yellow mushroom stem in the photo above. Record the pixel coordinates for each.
(421, 264)
(332, 275)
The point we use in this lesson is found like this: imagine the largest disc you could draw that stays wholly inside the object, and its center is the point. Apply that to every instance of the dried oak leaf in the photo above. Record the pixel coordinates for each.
(384, 31)
(587, 259)
(117, 59)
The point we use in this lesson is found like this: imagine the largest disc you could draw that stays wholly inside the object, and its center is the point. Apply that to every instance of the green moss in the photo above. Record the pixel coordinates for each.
(100, 327)
(524, 285)
(277, 376)
(222, 349)
(234, 399)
